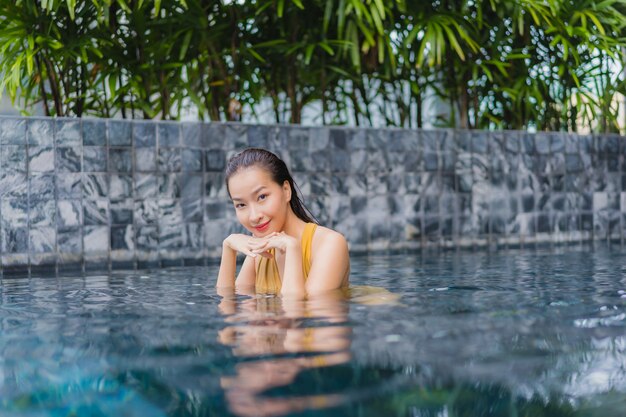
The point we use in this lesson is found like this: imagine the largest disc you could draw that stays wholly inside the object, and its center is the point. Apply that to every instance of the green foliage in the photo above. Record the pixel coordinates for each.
(512, 64)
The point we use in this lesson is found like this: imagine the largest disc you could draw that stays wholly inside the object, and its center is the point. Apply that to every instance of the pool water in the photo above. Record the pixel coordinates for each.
(517, 333)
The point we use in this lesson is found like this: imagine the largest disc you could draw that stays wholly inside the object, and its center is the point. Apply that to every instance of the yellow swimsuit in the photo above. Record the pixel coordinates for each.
(267, 275)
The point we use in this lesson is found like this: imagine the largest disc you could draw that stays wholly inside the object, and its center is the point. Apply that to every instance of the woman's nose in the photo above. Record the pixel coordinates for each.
(254, 214)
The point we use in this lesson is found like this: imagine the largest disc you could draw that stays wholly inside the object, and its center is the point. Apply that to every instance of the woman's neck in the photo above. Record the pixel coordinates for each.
(294, 226)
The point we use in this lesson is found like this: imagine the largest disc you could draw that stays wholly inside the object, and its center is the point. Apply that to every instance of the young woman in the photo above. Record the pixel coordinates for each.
(288, 252)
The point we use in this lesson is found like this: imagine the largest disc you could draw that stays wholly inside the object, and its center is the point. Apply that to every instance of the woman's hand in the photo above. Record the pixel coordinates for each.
(245, 244)
(280, 241)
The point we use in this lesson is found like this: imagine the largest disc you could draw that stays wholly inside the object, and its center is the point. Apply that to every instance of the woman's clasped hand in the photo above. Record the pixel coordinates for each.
(253, 246)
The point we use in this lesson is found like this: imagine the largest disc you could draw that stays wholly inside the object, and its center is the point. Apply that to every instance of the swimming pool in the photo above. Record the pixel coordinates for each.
(515, 333)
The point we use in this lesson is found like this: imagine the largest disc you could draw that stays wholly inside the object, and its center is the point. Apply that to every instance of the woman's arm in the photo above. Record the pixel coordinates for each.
(330, 266)
(228, 264)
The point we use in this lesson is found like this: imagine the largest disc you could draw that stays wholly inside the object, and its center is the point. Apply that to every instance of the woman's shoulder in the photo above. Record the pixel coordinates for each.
(325, 236)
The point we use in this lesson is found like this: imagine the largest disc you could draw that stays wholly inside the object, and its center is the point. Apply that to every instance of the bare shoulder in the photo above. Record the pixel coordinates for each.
(328, 237)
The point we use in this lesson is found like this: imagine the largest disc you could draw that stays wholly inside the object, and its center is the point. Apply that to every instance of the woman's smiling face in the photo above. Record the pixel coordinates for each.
(260, 203)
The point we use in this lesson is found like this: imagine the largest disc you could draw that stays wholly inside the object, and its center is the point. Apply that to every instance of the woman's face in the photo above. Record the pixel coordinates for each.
(260, 203)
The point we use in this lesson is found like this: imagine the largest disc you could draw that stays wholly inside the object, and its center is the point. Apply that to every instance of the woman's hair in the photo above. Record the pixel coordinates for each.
(278, 170)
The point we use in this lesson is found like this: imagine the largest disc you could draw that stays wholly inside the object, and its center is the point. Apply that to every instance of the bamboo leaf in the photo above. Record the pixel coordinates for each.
(308, 54)
(71, 7)
(256, 55)
(596, 22)
(281, 8)
(327, 48)
(185, 45)
(380, 7)
(328, 10)
(455, 44)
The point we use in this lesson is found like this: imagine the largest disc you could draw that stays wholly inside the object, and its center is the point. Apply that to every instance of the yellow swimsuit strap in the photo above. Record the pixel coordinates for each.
(307, 243)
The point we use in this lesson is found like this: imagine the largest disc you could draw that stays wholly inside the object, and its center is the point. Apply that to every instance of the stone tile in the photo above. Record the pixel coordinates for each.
(96, 239)
(122, 211)
(95, 159)
(169, 134)
(215, 185)
(69, 186)
(13, 185)
(41, 159)
(120, 160)
(40, 132)
(357, 140)
(340, 161)
(214, 209)
(146, 212)
(14, 239)
(145, 186)
(302, 183)
(70, 240)
(123, 238)
(42, 212)
(12, 131)
(42, 186)
(191, 134)
(145, 159)
(170, 212)
(96, 212)
(192, 160)
(193, 237)
(191, 186)
(144, 134)
(377, 161)
(120, 186)
(215, 160)
(339, 185)
(95, 186)
(169, 160)
(147, 238)
(168, 185)
(319, 161)
(192, 209)
(319, 138)
(69, 213)
(170, 236)
(212, 136)
(13, 158)
(94, 132)
(42, 240)
(480, 143)
(14, 212)
(236, 137)
(297, 137)
(120, 132)
(431, 162)
(67, 133)
(68, 159)
(320, 185)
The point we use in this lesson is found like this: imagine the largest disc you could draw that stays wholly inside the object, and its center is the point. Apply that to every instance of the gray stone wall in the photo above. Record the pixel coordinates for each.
(98, 193)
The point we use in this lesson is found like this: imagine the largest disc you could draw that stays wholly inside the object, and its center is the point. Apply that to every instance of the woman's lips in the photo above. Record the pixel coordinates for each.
(263, 227)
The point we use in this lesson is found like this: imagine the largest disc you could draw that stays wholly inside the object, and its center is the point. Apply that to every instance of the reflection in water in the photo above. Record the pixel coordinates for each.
(284, 338)
(539, 334)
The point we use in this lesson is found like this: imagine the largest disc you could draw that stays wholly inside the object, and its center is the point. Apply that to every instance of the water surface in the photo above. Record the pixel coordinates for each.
(537, 333)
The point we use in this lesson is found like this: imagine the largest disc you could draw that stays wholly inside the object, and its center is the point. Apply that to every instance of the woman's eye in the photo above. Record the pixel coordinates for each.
(239, 205)
(262, 196)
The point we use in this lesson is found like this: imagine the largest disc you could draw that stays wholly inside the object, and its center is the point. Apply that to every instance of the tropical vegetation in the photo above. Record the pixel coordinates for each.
(486, 64)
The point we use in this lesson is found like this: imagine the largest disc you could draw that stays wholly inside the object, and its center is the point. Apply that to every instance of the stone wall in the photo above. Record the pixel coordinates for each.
(96, 193)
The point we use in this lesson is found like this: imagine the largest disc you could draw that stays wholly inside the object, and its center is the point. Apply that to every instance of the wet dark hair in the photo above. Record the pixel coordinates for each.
(278, 170)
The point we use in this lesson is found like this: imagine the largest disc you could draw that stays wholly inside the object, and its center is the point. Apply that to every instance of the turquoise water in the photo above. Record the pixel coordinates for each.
(521, 333)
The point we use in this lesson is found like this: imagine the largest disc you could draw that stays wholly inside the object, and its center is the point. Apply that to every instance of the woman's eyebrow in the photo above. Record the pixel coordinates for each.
(256, 190)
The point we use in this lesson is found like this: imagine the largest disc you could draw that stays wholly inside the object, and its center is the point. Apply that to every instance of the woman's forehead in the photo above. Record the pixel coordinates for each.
(249, 177)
